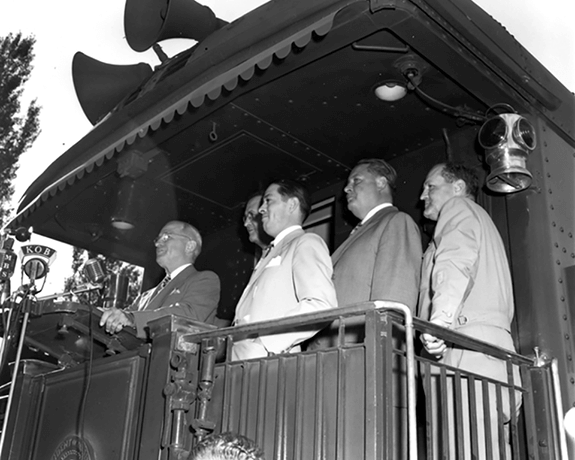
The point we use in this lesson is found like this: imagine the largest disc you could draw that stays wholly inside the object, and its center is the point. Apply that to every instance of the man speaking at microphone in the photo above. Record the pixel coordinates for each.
(184, 291)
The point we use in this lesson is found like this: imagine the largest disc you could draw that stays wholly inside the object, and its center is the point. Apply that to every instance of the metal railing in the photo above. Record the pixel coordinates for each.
(350, 401)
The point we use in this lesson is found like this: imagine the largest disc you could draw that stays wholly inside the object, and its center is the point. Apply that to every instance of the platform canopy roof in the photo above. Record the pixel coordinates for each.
(287, 90)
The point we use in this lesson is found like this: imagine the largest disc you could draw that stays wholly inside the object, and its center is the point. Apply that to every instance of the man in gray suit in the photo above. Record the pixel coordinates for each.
(184, 291)
(381, 258)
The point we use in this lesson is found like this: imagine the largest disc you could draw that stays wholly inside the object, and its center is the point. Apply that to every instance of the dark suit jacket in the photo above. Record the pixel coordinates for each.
(192, 294)
(380, 261)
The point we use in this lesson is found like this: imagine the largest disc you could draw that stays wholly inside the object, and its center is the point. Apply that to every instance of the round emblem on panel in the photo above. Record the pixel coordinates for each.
(73, 448)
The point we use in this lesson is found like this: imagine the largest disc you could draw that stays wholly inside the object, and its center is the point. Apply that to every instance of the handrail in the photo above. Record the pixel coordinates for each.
(282, 325)
(401, 315)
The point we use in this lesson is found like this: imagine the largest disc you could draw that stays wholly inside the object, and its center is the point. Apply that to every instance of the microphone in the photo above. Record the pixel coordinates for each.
(94, 271)
(116, 293)
(35, 262)
(22, 234)
(7, 260)
(35, 268)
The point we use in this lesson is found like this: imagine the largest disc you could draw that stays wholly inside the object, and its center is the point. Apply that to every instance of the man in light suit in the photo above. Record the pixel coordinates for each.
(184, 291)
(466, 286)
(293, 278)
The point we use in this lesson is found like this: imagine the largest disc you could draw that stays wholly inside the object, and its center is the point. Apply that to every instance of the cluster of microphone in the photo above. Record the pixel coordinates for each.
(115, 284)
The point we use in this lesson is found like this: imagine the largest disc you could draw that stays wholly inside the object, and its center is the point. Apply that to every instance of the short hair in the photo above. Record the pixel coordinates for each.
(259, 193)
(380, 168)
(226, 446)
(193, 232)
(458, 171)
(293, 189)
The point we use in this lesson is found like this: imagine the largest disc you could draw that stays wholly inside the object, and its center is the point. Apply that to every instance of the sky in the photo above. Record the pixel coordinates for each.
(63, 27)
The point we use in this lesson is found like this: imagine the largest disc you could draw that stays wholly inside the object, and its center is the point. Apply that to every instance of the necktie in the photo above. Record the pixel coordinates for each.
(163, 284)
(267, 250)
(165, 281)
(157, 290)
(356, 228)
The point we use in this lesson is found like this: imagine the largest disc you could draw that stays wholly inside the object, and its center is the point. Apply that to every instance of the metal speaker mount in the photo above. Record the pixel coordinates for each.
(147, 22)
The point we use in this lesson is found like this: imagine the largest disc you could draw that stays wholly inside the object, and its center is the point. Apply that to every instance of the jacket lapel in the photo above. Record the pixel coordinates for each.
(276, 250)
(373, 221)
(176, 283)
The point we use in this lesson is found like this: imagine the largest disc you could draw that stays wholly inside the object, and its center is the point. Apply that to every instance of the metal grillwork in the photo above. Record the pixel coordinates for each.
(351, 401)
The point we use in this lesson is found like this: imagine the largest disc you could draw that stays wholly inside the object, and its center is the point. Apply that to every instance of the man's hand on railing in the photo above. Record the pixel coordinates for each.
(434, 346)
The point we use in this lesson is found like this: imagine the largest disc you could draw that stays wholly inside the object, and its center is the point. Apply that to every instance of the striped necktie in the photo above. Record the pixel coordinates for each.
(163, 284)
(148, 299)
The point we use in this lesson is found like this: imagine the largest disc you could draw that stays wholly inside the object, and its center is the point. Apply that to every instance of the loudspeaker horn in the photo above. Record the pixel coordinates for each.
(100, 86)
(147, 22)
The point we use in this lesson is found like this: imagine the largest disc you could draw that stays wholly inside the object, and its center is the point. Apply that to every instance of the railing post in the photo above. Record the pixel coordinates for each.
(410, 358)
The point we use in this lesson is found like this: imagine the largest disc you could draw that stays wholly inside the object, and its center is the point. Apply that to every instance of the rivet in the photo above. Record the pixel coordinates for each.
(562, 299)
(554, 224)
(550, 191)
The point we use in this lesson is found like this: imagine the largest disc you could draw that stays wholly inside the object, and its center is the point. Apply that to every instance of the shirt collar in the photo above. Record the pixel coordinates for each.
(179, 270)
(284, 233)
(370, 214)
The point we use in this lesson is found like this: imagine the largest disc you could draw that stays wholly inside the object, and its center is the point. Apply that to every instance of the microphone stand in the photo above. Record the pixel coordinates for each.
(37, 268)
(24, 305)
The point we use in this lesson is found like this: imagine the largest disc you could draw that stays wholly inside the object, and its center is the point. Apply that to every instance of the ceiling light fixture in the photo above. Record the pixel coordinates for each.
(390, 91)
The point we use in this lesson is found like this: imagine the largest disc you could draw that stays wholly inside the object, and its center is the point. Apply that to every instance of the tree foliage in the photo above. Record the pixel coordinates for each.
(18, 128)
(111, 266)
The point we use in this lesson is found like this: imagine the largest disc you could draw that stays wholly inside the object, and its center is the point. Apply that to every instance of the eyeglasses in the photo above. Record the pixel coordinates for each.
(249, 216)
(163, 237)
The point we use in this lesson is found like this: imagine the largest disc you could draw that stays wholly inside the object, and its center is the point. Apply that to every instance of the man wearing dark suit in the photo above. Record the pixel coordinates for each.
(381, 258)
(466, 286)
(184, 291)
(293, 278)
